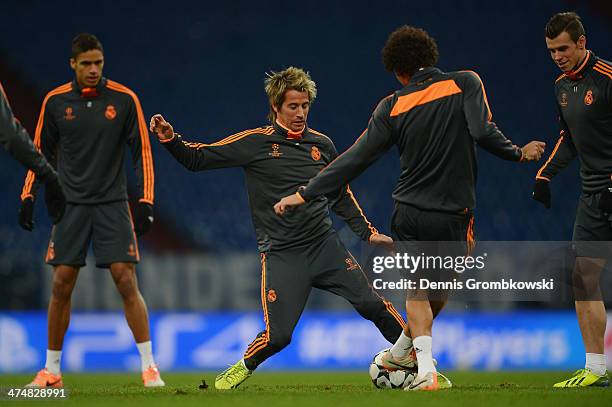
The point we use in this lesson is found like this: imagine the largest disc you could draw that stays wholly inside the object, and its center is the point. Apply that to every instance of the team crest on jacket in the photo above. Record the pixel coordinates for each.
(275, 151)
(69, 115)
(110, 113)
(588, 98)
(271, 295)
(315, 153)
(563, 99)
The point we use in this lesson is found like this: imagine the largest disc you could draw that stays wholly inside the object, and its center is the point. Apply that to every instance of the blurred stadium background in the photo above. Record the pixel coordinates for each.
(202, 65)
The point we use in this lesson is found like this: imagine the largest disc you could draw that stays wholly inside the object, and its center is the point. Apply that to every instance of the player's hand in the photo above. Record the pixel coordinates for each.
(605, 202)
(287, 203)
(55, 200)
(162, 129)
(533, 150)
(382, 241)
(26, 214)
(143, 218)
(541, 192)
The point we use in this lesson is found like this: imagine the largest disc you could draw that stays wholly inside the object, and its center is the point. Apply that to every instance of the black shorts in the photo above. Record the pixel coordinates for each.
(431, 235)
(107, 226)
(411, 224)
(592, 228)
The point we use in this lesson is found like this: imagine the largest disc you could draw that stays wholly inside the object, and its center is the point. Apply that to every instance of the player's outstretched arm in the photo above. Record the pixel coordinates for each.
(484, 131)
(233, 151)
(191, 158)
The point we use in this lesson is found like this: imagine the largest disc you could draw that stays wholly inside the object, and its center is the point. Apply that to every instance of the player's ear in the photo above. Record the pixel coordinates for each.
(582, 42)
(73, 63)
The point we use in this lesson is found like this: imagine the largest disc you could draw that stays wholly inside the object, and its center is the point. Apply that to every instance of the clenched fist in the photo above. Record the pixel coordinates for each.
(533, 150)
(162, 129)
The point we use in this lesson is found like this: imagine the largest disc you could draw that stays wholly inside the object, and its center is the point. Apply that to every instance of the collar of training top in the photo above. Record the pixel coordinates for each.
(578, 73)
(89, 93)
(423, 74)
(285, 132)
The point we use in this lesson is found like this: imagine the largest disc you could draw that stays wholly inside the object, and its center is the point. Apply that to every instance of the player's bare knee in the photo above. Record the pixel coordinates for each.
(124, 276)
(61, 291)
(586, 277)
(127, 287)
(64, 279)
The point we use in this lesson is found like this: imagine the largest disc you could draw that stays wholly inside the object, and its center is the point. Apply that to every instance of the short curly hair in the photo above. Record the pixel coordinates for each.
(407, 49)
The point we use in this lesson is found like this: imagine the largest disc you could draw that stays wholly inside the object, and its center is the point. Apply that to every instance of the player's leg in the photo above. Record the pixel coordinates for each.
(115, 247)
(124, 276)
(285, 287)
(58, 312)
(334, 269)
(592, 234)
(66, 253)
(429, 228)
(590, 308)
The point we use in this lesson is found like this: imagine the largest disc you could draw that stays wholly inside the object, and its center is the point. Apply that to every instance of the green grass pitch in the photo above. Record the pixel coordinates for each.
(318, 389)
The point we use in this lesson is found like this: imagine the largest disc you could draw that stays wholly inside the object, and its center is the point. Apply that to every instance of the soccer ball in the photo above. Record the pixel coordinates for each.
(389, 379)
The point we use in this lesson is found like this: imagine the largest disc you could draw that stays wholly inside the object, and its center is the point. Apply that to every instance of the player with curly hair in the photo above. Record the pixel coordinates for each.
(435, 120)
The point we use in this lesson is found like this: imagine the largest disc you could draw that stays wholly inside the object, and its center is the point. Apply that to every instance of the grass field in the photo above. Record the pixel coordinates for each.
(319, 389)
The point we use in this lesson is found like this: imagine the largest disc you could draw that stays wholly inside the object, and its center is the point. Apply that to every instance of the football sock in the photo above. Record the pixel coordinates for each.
(402, 346)
(53, 361)
(422, 347)
(596, 363)
(146, 355)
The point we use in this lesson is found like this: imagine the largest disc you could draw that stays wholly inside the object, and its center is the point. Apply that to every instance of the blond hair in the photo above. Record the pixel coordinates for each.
(292, 78)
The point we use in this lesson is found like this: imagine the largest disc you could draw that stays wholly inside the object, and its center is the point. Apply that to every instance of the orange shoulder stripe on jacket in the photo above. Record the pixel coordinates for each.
(147, 156)
(263, 130)
(604, 66)
(318, 133)
(560, 77)
(603, 72)
(484, 93)
(30, 177)
(539, 174)
(435, 91)
(226, 140)
(233, 138)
